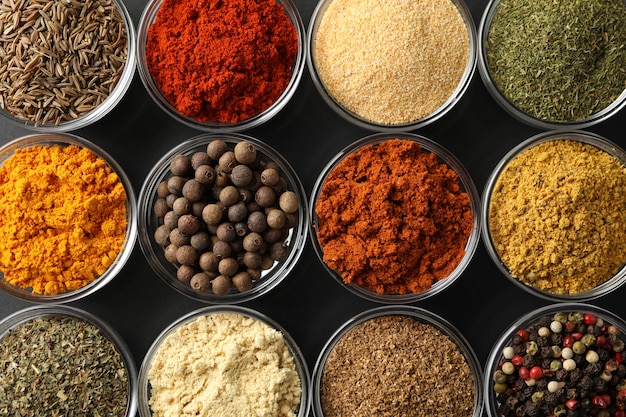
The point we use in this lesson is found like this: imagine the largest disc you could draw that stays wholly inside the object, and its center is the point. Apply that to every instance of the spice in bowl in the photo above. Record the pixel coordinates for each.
(60, 60)
(563, 363)
(556, 213)
(392, 218)
(221, 62)
(557, 62)
(63, 212)
(225, 216)
(224, 363)
(391, 63)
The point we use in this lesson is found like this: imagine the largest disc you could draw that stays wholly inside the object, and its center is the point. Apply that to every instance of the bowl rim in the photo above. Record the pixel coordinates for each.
(298, 358)
(524, 321)
(465, 181)
(359, 121)
(148, 17)
(510, 108)
(154, 253)
(420, 314)
(118, 93)
(589, 138)
(67, 139)
(32, 312)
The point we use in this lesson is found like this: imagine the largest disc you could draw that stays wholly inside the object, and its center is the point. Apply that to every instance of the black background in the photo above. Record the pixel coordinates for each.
(309, 304)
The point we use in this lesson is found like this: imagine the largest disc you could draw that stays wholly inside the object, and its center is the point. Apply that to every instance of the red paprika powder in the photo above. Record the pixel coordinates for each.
(393, 219)
(221, 60)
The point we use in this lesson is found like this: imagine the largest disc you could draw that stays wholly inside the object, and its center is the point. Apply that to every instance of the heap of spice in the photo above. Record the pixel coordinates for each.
(60, 59)
(392, 218)
(558, 61)
(221, 61)
(412, 369)
(557, 216)
(391, 63)
(62, 218)
(61, 366)
(224, 364)
(225, 215)
(566, 364)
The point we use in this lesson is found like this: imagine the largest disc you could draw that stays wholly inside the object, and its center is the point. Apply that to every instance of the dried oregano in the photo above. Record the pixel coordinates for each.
(559, 61)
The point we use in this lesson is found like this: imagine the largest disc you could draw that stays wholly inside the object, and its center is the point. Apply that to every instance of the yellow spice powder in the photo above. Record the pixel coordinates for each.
(391, 62)
(224, 364)
(62, 218)
(558, 216)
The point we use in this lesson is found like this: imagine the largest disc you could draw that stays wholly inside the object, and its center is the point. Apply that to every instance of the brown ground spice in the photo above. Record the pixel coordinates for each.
(396, 366)
(393, 219)
(558, 216)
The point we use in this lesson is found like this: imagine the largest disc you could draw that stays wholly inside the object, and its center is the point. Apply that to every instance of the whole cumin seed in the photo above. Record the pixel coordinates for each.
(59, 60)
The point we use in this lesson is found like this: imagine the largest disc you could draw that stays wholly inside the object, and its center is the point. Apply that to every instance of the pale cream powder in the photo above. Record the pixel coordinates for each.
(224, 364)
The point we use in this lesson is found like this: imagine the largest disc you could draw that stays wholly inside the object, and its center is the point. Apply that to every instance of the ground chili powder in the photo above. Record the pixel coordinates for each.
(222, 61)
(393, 218)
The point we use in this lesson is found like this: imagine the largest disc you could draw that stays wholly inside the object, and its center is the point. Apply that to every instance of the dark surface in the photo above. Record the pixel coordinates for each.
(309, 303)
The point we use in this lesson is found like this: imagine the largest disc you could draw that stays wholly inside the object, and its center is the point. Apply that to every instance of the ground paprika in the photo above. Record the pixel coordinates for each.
(223, 61)
(392, 218)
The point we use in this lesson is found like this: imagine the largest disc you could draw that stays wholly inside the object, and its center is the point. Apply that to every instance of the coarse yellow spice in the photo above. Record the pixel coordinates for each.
(224, 364)
(557, 216)
(391, 62)
(62, 218)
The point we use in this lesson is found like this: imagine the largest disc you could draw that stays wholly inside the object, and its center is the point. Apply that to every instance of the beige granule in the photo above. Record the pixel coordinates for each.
(391, 62)
(558, 216)
(224, 364)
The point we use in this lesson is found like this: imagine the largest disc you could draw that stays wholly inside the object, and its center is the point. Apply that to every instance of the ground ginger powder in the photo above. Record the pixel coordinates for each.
(62, 218)
(224, 364)
(558, 216)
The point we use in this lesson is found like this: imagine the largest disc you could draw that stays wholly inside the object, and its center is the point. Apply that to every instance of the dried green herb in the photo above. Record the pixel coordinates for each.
(61, 366)
(559, 61)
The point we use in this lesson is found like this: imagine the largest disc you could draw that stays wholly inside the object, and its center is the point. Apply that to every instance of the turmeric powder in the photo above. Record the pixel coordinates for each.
(62, 218)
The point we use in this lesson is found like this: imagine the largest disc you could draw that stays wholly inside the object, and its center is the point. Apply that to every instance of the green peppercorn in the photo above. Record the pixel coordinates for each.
(499, 376)
(532, 348)
(575, 317)
(499, 388)
(560, 317)
(588, 339)
(579, 347)
(555, 365)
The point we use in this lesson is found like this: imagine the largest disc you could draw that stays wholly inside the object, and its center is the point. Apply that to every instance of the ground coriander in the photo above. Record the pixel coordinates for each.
(557, 216)
(61, 366)
(560, 61)
(411, 370)
(393, 62)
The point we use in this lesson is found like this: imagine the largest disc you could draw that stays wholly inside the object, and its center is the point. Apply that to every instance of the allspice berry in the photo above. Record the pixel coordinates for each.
(269, 176)
(208, 262)
(200, 282)
(212, 214)
(265, 196)
(185, 272)
(252, 242)
(205, 174)
(181, 165)
(186, 255)
(188, 224)
(245, 152)
(216, 148)
(242, 281)
(228, 267)
(221, 285)
(193, 190)
(288, 202)
(276, 218)
(241, 175)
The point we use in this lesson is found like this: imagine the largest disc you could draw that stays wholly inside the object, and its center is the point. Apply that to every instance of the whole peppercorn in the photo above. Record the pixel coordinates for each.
(222, 249)
(276, 218)
(237, 212)
(208, 262)
(228, 267)
(200, 241)
(175, 185)
(186, 255)
(242, 281)
(252, 260)
(200, 282)
(216, 148)
(241, 229)
(279, 251)
(181, 165)
(241, 175)
(212, 214)
(269, 176)
(178, 238)
(205, 174)
(162, 235)
(265, 196)
(257, 221)
(229, 195)
(221, 285)
(193, 190)
(227, 161)
(226, 232)
(171, 220)
(162, 189)
(181, 206)
(170, 253)
(245, 152)
(184, 273)
(288, 202)
(252, 242)
(199, 158)
(161, 207)
(188, 224)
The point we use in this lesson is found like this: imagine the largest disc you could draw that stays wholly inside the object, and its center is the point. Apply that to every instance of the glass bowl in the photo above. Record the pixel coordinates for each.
(570, 195)
(68, 355)
(465, 184)
(64, 140)
(102, 109)
(534, 117)
(272, 275)
(381, 328)
(149, 16)
(226, 320)
(337, 97)
(572, 348)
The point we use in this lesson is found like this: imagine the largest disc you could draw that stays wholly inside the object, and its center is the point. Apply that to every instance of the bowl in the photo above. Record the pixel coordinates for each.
(65, 360)
(552, 208)
(399, 370)
(548, 79)
(45, 94)
(382, 79)
(60, 220)
(206, 259)
(252, 357)
(582, 343)
(211, 108)
(370, 225)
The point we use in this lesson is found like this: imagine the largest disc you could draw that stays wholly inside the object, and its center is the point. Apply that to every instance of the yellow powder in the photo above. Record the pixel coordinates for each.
(62, 218)
(391, 62)
(224, 364)
(558, 216)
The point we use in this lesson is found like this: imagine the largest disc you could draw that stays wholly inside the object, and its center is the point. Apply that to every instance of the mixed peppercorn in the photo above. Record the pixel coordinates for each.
(225, 217)
(566, 365)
